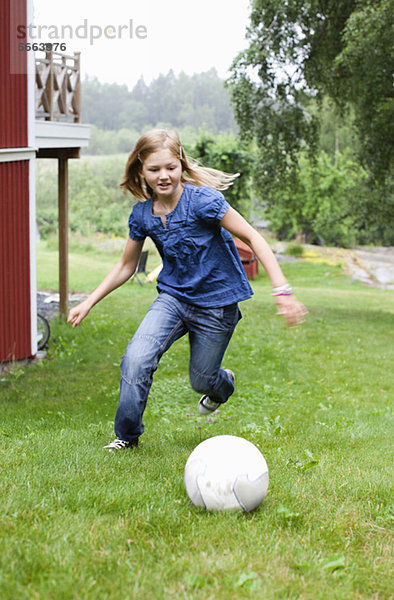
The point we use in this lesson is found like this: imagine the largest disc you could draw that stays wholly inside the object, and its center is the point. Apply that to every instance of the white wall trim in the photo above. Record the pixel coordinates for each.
(59, 134)
(11, 154)
(33, 266)
(30, 153)
(31, 82)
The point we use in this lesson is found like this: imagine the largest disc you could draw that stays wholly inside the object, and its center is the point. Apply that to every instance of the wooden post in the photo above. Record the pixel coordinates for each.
(77, 92)
(49, 85)
(63, 234)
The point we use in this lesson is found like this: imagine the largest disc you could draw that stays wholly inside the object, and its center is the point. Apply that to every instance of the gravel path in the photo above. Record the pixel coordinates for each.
(48, 303)
(374, 266)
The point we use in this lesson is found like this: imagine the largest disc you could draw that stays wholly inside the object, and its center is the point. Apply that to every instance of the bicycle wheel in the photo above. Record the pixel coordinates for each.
(43, 332)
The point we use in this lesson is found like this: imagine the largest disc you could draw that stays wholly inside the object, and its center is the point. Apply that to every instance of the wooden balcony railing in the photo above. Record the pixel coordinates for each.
(58, 87)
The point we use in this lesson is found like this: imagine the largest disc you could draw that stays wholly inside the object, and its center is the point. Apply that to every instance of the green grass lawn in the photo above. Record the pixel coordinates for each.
(77, 522)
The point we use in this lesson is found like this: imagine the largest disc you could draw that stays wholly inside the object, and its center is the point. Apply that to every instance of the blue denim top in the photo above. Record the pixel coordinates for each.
(201, 265)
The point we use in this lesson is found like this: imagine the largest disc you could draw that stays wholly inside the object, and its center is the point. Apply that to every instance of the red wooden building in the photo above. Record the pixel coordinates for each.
(39, 118)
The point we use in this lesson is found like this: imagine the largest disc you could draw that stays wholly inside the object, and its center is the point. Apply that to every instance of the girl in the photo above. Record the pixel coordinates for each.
(201, 282)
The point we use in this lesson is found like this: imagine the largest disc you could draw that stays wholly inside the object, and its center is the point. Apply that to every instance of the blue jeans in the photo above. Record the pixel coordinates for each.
(168, 319)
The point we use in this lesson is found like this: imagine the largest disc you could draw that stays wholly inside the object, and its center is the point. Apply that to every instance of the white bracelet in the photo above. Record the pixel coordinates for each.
(283, 288)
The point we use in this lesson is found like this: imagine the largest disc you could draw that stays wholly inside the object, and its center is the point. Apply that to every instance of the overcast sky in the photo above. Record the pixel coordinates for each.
(147, 37)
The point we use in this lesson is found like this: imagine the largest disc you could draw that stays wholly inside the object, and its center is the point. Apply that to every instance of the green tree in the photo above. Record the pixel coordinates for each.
(300, 50)
(199, 100)
(364, 69)
(103, 103)
(337, 133)
(227, 154)
(324, 205)
(133, 115)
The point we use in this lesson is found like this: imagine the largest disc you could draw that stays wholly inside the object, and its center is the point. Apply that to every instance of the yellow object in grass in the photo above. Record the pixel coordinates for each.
(152, 276)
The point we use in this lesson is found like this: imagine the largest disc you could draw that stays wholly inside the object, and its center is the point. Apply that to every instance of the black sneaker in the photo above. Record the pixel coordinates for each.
(206, 404)
(121, 444)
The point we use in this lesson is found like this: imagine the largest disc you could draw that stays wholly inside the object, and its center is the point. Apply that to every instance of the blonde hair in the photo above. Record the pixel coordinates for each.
(192, 171)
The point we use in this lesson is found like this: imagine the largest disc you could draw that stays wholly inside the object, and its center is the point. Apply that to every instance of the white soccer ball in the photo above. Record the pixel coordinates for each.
(226, 472)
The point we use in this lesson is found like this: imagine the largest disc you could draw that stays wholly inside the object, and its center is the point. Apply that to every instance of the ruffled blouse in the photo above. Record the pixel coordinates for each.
(201, 265)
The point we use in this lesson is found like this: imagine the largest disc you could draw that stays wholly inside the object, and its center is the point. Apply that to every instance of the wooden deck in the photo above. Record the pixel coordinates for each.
(58, 86)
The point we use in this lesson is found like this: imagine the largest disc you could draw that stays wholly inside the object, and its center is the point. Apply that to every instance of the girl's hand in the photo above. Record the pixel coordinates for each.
(293, 311)
(77, 313)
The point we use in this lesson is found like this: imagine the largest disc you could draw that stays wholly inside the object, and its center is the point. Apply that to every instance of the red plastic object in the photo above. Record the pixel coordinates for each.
(248, 259)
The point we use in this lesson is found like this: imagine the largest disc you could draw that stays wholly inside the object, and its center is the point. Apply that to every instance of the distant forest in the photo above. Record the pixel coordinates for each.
(193, 102)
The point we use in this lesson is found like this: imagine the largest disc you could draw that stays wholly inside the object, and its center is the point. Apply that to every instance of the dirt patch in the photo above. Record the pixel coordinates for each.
(372, 266)
(48, 303)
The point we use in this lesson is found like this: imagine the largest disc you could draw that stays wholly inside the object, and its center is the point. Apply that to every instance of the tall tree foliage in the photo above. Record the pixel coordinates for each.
(363, 70)
(301, 49)
(199, 100)
(227, 154)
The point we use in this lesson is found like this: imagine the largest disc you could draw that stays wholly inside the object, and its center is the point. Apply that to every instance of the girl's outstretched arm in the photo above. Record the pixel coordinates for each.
(288, 306)
(120, 273)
